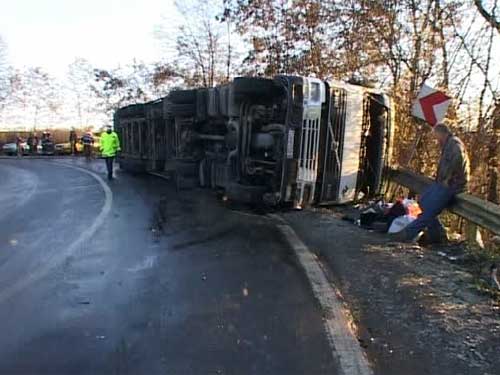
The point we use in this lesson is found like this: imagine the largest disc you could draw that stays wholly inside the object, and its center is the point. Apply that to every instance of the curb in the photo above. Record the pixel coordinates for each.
(343, 342)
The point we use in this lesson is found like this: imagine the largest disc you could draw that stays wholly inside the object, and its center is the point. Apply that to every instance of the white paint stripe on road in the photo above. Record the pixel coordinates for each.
(72, 248)
(343, 342)
(70, 189)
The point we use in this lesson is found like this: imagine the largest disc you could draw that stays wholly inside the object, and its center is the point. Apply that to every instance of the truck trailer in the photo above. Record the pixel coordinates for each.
(287, 141)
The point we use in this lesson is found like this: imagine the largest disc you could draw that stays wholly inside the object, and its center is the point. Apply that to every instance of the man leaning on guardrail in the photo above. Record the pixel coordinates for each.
(452, 178)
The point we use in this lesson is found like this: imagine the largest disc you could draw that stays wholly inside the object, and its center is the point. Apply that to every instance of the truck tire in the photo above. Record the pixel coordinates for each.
(184, 110)
(204, 173)
(253, 86)
(213, 109)
(183, 96)
(213, 176)
(201, 104)
(224, 94)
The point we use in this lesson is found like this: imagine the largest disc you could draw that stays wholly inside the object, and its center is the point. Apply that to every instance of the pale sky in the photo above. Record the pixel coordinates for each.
(52, 33)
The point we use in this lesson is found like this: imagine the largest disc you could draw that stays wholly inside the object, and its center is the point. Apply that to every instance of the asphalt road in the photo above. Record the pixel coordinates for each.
(102, 281)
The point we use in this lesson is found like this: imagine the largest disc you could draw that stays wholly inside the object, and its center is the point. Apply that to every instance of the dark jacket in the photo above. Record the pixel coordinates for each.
(87, 140)
(453, 170)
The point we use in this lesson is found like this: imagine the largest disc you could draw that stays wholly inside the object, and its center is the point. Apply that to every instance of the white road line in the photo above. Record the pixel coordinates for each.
(72, 248)
(66, 189)
(343, 342)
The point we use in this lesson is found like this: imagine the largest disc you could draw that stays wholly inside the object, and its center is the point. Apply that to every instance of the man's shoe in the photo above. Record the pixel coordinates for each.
(402, 236)
(398, 236)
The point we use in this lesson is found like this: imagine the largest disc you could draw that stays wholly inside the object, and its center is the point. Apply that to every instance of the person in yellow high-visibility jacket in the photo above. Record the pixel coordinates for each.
(109, 146)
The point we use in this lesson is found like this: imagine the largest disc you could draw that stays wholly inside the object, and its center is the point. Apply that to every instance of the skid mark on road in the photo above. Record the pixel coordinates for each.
(216, 236)
(343, 342)
(86, 235)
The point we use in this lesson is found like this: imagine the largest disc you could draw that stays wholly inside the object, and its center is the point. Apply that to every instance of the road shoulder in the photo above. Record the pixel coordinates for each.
(343, 343)
(415, 312)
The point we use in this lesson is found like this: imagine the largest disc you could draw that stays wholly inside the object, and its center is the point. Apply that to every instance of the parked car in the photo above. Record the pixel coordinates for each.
(65, 148)
(62, 148)
(11, 148)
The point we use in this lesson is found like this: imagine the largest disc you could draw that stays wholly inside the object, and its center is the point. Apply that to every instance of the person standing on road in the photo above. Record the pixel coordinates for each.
(19, 146)
(452, 178)
(72, 140)
(33, 143)
(88, 143)
(110, 145)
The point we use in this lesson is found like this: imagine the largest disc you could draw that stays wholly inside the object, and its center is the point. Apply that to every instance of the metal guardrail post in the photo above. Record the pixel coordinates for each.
(483, 213)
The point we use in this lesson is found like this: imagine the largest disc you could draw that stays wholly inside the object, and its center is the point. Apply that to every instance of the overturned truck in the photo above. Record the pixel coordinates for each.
(283, 141)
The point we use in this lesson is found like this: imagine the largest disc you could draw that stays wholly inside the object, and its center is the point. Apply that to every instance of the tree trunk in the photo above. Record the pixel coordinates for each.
(493, 151)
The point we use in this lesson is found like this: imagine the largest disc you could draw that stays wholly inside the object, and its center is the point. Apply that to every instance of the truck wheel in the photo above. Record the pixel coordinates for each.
(253, 86)
(186, 110)
(213, 182)
(201, 104)
(183, 97)
(202, 174)
(178, 181)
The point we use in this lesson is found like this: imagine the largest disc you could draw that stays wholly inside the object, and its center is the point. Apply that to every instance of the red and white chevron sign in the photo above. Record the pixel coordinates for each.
(431, 105)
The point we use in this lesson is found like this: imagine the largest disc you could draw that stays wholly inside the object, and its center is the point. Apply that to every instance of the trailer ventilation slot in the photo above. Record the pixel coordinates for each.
(334, 147)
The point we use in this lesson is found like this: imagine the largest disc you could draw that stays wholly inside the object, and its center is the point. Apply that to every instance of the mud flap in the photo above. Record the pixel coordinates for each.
(132, 165)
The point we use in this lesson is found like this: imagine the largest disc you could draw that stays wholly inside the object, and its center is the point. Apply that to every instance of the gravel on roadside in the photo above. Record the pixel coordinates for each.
(416, 310)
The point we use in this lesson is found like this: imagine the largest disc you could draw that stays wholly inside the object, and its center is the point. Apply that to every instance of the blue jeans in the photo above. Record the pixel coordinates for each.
(109, 166)
(432, 202)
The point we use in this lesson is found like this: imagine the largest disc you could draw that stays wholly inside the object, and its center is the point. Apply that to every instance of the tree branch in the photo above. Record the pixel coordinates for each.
(489, 17)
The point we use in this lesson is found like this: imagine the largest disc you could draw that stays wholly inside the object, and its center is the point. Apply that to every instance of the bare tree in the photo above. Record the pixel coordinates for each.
(35, 99)
(4, 73)
(82, 99)
(489, 16)
(202, 49)
(164, 76)
(115, 88)
(111, 90)
(266, 27)
(493, 158)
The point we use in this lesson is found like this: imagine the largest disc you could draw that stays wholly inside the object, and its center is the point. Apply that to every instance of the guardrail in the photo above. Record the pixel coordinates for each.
(483, 213)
